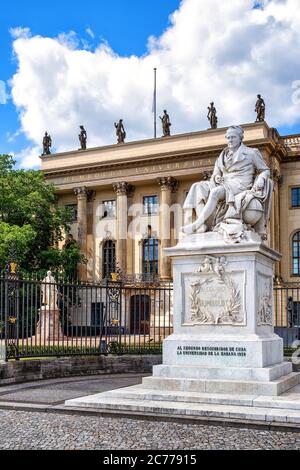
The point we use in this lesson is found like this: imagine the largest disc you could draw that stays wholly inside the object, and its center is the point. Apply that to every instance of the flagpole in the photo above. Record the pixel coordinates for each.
(154, 103)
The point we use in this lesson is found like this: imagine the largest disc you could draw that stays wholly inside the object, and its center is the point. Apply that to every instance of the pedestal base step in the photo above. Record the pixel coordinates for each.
(138, 400)
(238, 387)
(264, 374)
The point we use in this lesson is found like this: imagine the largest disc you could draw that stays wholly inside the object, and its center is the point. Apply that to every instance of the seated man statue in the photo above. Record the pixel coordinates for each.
(236, 198)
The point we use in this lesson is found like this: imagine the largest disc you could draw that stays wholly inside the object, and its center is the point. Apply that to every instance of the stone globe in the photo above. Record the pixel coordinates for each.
(253, 212)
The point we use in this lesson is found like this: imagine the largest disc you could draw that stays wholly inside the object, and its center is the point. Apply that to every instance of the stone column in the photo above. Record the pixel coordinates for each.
(122, 190)
(276, 204)
(167, 186)
(90, 249)
(82, 198)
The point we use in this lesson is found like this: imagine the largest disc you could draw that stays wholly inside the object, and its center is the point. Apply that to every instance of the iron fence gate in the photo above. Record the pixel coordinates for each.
(41, 318)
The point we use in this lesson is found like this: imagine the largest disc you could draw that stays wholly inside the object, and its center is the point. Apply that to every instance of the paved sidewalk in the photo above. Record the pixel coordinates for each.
(51, 393)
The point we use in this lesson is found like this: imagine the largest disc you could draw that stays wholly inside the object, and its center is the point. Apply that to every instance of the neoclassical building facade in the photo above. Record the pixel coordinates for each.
(126, 199)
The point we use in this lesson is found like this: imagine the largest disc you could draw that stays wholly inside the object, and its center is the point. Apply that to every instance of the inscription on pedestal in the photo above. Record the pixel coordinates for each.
(225, 351)
(213, 296)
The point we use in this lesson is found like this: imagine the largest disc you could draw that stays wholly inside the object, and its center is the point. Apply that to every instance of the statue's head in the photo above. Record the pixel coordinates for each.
(235, 136)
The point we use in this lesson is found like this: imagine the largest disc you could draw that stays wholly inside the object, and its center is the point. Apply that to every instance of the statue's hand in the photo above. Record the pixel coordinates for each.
(219, 179)
(259, 184)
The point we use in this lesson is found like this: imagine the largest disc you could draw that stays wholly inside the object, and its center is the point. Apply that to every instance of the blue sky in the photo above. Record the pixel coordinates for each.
(221, 51)
(126, 25)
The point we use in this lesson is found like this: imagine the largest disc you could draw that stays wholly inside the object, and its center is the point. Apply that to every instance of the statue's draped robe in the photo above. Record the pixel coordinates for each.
(239, 172)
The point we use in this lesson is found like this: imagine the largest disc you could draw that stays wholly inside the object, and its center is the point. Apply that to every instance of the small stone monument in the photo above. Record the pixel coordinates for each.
(49, 327)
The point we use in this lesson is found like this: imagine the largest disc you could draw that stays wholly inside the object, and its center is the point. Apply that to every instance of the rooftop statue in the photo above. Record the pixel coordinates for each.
(260, 109)
(237, 197)
(47, 143)
(166, 124)
(120, 132)
(212, 116)
(82, 138)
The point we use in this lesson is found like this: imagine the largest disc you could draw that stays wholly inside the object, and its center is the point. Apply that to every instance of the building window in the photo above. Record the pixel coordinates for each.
(295, 197)
(296, 254)
(150, 256)
(72, 208)
(109, 209)
(109, 258)
(150, 204)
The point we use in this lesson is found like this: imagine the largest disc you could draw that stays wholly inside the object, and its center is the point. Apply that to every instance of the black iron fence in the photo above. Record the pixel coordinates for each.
(130, 315)
(49, 317)
(287, 314)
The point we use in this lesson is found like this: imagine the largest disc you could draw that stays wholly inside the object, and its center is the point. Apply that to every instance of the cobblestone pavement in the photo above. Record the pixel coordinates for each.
(29, 430)
(41, 430)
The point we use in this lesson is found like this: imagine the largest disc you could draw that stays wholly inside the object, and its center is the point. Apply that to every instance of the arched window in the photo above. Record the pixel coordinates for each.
(109, 258)
(296, 254)
(150, 256)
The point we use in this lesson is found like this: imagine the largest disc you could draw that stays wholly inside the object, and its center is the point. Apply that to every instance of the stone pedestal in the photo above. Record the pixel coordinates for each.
(48, 328)
(223, 339)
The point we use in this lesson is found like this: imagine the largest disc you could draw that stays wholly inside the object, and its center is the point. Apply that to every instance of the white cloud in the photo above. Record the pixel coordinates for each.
(20, 32)
(28, 158)
(90, 32)
(222, 51)
(3, 95)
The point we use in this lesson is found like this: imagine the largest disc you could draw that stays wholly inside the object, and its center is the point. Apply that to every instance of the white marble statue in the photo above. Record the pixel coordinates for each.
(238, 196)
(49, 292)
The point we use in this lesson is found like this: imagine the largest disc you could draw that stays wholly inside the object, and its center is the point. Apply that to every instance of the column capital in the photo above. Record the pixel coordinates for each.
(83, 192)
(168, 183)
(122, 188)
(276, 176)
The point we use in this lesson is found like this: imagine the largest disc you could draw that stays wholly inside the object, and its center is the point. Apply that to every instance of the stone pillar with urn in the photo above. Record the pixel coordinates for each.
(48, 328)
(122, 190)
(168, 185)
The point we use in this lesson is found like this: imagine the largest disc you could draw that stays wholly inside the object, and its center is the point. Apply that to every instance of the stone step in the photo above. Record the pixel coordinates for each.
(271, 388)
(265, 374)
(245, 413)
(290, 400)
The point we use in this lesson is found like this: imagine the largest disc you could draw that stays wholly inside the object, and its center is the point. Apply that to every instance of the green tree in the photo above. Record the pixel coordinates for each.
(31, 222)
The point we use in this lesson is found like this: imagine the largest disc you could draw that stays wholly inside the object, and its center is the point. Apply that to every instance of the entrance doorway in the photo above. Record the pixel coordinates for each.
(140, 309)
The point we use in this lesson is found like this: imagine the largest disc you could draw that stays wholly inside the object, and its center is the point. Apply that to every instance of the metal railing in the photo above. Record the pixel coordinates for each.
(41, 318)
(287, 313)
(131, 315)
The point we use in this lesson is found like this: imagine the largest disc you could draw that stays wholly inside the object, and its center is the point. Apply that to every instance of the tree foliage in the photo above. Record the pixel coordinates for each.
(31, 222)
